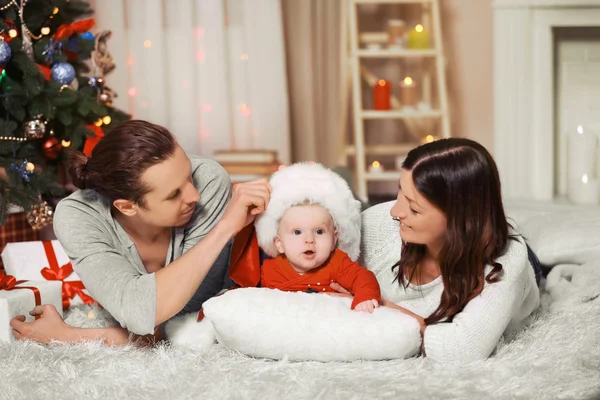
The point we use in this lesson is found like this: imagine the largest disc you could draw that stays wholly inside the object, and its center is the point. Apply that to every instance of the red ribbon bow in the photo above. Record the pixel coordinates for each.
(56, 273)
(92, 141)
(9, 282)
(66, 30)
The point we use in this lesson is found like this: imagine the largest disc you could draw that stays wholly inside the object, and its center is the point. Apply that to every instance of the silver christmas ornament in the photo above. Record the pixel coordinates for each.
(35, 129)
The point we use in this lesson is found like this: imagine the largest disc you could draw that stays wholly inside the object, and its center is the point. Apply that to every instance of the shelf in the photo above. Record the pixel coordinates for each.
(393, 149)
(366, 53)
(400, 114)
(383, 176)
(392, 1)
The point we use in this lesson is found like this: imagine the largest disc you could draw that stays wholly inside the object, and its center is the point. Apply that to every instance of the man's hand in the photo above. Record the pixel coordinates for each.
(49, 326)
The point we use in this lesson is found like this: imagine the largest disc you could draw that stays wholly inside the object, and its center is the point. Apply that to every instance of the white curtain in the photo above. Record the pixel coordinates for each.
(212, 71)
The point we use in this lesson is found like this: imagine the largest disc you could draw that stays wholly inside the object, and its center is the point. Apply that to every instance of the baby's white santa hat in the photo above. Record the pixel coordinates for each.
(311, 183)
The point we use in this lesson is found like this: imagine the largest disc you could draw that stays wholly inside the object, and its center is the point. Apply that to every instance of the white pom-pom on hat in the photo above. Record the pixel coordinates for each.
(314, 184)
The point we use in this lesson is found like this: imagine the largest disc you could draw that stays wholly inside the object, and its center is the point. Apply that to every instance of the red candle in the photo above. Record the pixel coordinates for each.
(381, 95)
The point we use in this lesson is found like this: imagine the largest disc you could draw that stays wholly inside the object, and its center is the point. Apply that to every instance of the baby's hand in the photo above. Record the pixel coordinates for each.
(367, 305)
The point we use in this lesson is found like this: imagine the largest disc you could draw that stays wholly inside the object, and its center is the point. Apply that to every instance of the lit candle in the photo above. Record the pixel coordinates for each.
(381, 95)
(418, 38)
(584, 190)
(408, 92)
(376, 167)
(429, 139)
(582, 149)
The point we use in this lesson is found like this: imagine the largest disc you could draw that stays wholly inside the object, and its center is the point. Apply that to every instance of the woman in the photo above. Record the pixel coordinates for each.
(149, 235)
(460, 272)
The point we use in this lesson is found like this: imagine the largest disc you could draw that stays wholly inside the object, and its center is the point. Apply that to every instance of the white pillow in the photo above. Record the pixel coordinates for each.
(559, 234)
(301, 326)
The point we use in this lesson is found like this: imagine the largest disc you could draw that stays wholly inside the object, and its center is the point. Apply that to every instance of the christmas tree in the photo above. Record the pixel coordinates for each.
(53, 96)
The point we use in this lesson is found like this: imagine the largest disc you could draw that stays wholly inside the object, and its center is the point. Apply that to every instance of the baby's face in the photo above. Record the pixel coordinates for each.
(306, 236)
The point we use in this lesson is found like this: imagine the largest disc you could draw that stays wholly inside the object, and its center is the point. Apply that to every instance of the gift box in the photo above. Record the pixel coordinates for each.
(45, 260)
(20, 297)
(16, 229)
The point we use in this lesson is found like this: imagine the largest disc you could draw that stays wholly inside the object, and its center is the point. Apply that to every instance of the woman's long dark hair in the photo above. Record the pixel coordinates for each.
(460, 178)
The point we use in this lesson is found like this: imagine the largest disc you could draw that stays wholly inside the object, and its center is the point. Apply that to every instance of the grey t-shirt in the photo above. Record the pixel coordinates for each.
(107, 261)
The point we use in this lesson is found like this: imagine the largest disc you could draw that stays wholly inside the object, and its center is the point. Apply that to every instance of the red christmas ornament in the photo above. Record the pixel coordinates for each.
(52, 148)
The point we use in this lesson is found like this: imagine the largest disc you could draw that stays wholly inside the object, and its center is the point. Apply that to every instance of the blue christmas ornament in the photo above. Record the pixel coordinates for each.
(22, 170)
(73, 45)
(87, 36)
(63, 73)
(5, 52)
(50, 50)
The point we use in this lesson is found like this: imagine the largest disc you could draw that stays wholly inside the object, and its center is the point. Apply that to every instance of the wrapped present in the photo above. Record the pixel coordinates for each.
(45, 260)
(20, 297)
(16, 229)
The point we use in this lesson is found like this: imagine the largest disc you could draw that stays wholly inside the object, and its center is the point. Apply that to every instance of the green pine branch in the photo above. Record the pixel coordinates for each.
(25, 94)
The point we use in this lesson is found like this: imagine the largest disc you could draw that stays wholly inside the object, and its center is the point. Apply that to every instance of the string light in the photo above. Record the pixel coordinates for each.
(107, 120)
(429, 138)
(419, 28)
(30, 166)
(98, 122)
(12, 33)
(65, 143)
(15, 139)
(132, 91)
(45, 30)
(147, 43)
(55, 11)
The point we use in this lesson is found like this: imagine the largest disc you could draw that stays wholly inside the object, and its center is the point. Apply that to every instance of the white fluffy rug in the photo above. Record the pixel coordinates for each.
(557, 357)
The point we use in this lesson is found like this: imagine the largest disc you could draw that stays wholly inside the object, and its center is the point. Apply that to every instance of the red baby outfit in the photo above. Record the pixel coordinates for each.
(277, 273)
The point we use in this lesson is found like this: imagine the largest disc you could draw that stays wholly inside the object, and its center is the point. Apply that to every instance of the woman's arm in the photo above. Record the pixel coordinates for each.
(474, 332)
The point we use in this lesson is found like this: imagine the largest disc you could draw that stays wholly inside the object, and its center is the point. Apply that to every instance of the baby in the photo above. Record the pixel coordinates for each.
(311, 229)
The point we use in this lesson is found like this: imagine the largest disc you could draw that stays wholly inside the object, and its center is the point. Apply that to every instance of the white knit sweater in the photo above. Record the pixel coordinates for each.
(474, 333)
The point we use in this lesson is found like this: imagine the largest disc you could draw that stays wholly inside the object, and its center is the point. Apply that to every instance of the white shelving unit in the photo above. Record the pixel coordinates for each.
(358, 73)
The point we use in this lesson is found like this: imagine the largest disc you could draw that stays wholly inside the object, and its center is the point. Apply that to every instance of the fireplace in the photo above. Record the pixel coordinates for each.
(539, 92)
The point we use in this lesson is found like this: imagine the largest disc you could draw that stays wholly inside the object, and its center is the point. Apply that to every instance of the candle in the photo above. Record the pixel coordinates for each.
(396, 30)
(376, 167)
(418, 38)
(429, 139)
(582, 154)
(381, 95)
(584, 190)
(408, 92)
